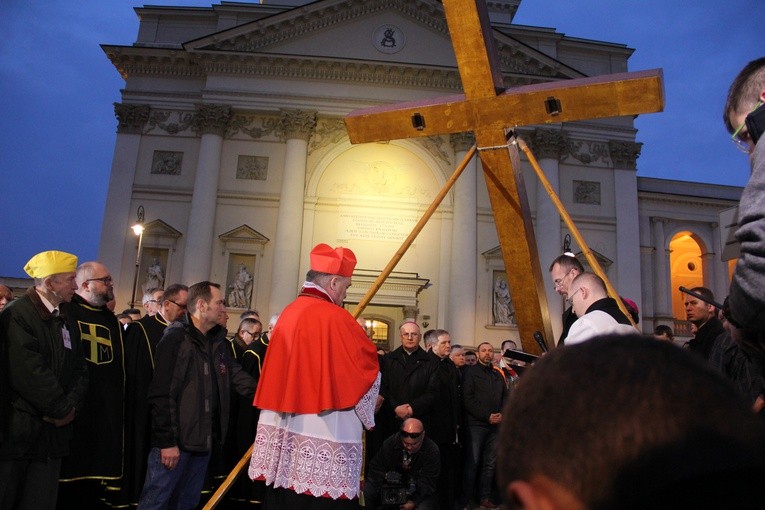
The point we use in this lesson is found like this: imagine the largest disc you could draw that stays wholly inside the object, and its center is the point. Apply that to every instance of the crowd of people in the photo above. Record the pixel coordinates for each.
(98, 411)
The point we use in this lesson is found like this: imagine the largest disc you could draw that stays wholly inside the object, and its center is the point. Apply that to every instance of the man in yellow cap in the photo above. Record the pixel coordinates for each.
(314, 406)
(43, 380)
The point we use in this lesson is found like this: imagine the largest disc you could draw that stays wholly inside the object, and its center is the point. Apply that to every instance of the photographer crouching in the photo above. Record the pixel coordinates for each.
(404, 472)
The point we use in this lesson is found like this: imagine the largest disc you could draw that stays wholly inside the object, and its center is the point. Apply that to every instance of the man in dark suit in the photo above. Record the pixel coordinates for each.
(484, 392)
(409, 385)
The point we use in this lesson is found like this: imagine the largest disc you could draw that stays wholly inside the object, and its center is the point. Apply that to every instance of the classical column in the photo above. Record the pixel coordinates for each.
(624, 157)
(662, 277)
(211, 121)
(460, 320)
(115, 231)
(547, 146)
(296, 126)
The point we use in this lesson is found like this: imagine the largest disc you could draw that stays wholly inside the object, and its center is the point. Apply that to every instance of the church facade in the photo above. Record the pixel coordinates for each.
(231, 142)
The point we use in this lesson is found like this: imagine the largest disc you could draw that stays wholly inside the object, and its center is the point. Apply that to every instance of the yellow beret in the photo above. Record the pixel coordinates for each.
(51, 262)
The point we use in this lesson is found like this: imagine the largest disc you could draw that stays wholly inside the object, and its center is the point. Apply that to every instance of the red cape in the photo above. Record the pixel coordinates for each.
(318, 359)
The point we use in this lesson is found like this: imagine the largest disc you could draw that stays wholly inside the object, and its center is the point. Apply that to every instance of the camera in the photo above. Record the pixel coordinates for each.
(395, 489)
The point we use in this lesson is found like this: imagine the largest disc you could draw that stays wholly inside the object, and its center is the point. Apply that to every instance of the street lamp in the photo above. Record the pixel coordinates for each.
(138, 230)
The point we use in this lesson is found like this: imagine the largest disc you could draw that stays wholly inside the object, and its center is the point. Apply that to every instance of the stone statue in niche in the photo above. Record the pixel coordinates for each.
(155, 277)
(240, 295)
(503, 306)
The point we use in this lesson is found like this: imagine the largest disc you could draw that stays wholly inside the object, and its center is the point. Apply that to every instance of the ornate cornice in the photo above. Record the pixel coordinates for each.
(295, 123)
(212, 119)
(131, 117)
(624, 154)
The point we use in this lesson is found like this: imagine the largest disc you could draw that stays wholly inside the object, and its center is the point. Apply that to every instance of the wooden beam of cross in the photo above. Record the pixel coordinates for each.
(488, 110)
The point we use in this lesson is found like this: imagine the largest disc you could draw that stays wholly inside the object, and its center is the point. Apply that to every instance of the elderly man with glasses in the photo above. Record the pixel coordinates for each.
(404, 472)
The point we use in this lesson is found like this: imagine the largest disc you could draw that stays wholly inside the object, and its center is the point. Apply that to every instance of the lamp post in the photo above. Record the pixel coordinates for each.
(138, 230)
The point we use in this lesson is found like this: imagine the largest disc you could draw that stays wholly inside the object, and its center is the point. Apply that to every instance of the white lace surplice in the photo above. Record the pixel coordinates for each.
(318, 454)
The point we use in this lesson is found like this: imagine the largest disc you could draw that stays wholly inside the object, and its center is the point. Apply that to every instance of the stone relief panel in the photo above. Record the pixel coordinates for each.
(167, 163)
(327, 132)
(171, 122)
(252, 168)
(586, 192)
(375, 177)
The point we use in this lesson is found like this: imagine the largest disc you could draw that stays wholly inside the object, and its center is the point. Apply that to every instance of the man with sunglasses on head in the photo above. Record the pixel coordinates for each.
(141, 339)
(563, 270)
(744, 117)
(98, 435)
(404, 473)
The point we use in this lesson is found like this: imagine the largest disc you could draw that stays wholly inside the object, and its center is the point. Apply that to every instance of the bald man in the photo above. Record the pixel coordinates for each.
(598, 314)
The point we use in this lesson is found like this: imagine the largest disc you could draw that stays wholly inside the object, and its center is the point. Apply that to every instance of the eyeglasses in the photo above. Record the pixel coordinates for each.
(410, 335)
(153, 301)
(558, 282)
(411, 435)
(182, 307)
(106, 280)
(254, 335)
(742, 144)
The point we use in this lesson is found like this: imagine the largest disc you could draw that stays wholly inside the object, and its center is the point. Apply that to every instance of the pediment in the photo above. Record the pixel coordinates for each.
(159, 228)
(243, 234)
(338, 31)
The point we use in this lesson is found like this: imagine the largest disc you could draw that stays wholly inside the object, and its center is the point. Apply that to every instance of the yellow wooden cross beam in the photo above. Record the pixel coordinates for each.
(488, 111)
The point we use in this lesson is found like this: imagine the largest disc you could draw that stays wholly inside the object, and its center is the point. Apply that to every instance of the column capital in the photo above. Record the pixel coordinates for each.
(461, 142)
(624, 155)
(294, 123)
(212, 119)
(131, 118)
(548, 143)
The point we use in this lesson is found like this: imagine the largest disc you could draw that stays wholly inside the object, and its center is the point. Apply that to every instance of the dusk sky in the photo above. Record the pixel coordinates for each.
(57, 128)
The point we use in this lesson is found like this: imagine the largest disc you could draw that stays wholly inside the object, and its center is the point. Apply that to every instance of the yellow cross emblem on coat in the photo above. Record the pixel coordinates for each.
(96, 342)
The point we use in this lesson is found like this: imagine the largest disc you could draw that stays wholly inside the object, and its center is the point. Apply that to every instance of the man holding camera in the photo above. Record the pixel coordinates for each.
(404, 472)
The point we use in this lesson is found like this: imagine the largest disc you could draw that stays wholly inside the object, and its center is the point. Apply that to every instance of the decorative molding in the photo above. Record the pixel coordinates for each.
(548, 143)
(131, 117)
(624, 155)
(167, 163)
(586, 192)
(161, 119)
(295, 123)
(212, 119)
(255, 126)
(327, 132)
(586, 151)
(252, 168)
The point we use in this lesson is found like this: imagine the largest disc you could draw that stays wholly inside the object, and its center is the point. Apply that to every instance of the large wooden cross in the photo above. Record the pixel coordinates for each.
(488, 110)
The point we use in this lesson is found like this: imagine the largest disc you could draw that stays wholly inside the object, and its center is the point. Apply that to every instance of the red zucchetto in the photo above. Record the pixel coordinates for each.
(339, 261)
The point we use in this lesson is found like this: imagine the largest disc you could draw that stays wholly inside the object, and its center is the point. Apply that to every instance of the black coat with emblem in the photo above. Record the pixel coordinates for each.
(98, 442)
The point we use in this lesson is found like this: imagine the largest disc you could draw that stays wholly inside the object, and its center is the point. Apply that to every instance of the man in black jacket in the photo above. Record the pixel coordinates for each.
(409, 385)
(43, 379)
(414, 459)
(484, 392)
(190, 400)
(447, 415)
(704, 317)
